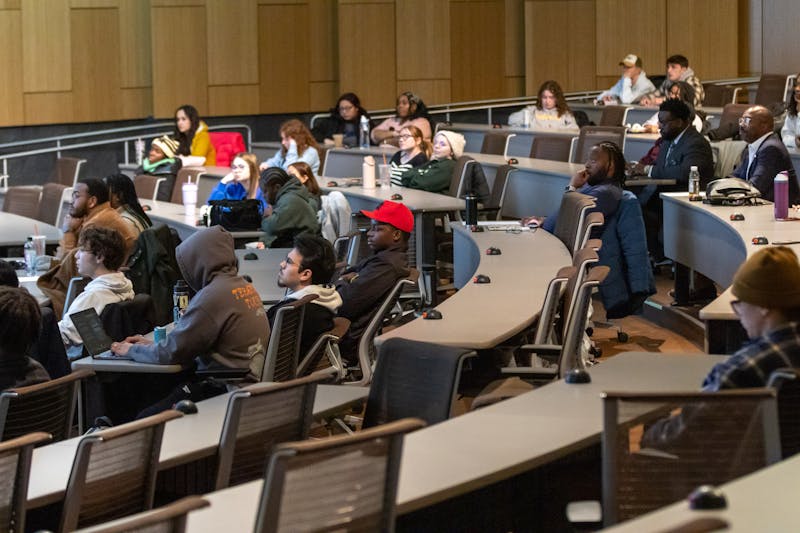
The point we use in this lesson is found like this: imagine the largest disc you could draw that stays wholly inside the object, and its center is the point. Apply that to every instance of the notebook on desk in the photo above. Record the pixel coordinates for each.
(96, 341)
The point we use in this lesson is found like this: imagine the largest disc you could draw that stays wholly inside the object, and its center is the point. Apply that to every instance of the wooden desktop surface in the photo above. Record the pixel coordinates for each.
(492, 444)
(185, 439)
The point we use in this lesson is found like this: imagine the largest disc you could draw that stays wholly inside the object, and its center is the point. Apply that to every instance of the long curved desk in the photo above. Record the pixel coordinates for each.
(480, 316)
(15, 229)
(508, 449)
(702, 237)
(174, 216)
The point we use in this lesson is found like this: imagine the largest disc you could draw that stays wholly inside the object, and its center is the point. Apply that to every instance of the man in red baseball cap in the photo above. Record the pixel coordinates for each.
(364, 286)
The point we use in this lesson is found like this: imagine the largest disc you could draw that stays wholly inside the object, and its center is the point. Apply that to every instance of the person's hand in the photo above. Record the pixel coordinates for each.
(267, 211)
(797, 141)
(579, 179)
(527, 220)
(228, 178)
(635, 169)
(350, 276)
(72, 223)
(609, 99)
(646, 101)
(328, 142)
(650, 128)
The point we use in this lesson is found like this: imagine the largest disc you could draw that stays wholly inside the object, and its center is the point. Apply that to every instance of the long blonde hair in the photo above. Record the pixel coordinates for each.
(252, 162)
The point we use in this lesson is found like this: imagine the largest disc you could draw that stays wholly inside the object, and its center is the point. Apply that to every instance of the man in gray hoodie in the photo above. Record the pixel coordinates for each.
(308, 269)
(224, 326)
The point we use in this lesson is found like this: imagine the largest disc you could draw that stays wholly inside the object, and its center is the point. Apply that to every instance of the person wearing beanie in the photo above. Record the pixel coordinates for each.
(162, 161)
(436, 174)
(766, 289)
(364, 286)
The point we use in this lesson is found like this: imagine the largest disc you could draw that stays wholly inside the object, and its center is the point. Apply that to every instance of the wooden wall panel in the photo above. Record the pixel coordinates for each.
(422, 45)
(11, 110)
(48, 108)
(546, 44)
(323, 35)
(780, 46)
(46, 46)
(95, 65)
(431, 91)
(233, 100)
(693, 30)
(233, 42)
(630, 27)
(283, 66)
(180, 69)
(581, 15)
(11, 4)
(514, 38)
(477, 49)
(179, 3)
(367, 58)
(137, 102)
(322, 95)
(135, 63)
(90, 4)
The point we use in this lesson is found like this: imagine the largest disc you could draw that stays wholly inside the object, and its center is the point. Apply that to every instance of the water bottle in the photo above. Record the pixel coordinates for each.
(30, 256)
(526, 118)
(694, 184)
(180, 300)
(781, 188)
(139, 149)
(363, 137)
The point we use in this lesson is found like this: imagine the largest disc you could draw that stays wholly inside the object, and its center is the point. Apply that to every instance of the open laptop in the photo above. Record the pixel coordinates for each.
(95, 339)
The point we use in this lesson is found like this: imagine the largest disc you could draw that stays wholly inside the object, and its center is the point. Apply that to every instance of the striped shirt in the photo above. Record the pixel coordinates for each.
(397, 169)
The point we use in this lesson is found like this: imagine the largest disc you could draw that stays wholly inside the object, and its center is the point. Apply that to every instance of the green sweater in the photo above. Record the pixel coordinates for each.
(433, 176)
(292, 214)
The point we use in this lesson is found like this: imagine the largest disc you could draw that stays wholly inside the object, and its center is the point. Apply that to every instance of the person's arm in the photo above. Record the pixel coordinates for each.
(788, 131)
(383, 131)
(614, 92)
(433, 177)
(201, 145)
(569, 122)
(287, 214)
(219, 192)
(424, 125)
(769, 161)
(361, 293)
(274, 161)
(310, 156)
(698, 153)
(632, 92)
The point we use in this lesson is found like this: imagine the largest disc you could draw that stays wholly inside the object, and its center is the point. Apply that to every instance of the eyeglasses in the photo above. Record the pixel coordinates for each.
(240, 167)
(404, 137)
(346, 108)
(744, 121)
(735, 305)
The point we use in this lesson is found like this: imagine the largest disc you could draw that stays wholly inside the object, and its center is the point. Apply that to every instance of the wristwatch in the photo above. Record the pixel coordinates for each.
(570, 188)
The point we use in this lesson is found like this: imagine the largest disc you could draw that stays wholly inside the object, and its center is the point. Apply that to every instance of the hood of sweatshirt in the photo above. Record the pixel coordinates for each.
(293, 186)
(205, 254)
(115, 282)
(327, 296)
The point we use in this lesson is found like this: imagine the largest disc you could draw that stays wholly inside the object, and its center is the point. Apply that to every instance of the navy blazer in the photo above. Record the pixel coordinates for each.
(692, 149)
(770, 159)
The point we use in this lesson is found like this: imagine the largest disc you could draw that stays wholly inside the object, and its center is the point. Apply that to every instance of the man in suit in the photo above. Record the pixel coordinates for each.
(765, 154)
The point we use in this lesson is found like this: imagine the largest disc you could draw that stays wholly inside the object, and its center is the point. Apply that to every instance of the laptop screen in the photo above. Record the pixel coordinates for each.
(95, 338)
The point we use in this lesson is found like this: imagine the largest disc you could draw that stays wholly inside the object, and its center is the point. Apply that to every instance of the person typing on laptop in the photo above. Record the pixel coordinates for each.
(101, 252)
(224, 326)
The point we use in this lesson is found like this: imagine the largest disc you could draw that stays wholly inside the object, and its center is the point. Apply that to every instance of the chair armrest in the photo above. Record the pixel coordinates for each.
(223, 373)
(541, 349)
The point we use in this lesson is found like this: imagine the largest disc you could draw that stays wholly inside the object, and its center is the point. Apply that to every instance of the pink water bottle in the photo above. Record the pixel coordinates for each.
(781, 188)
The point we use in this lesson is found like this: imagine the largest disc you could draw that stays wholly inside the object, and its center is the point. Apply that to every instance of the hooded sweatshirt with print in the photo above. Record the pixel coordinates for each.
(101, 291)
(319, 313)
(225, 325)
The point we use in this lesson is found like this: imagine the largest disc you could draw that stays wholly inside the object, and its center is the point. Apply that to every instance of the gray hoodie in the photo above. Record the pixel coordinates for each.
(225, 324)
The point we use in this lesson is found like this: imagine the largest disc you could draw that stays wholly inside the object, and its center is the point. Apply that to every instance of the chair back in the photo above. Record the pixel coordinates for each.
(614, 115)
(52, 202)
(147, 186)
(283, 351)
(731, 114)
(718, 95)
(367, 354)
(569, 226)
(326, 344)
(496, 142)
(787, 382)
(414, 379)
(658, 447)
(168, 519)
(591, 135)
(577, 316)
(771, 89)
(114, 472)
(185, 175)
(498, 193)
(551, 147)
(258, 417)
(457, 178)
(547, 315)
(15, 465)
(346, 483)
(75, 287)
(47, 407)
(68, 170)
(22, 201)
(131, 317)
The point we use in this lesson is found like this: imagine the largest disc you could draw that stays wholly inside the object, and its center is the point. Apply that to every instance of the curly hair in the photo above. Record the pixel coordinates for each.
(104, 242)
(558, 93)
(298, 131)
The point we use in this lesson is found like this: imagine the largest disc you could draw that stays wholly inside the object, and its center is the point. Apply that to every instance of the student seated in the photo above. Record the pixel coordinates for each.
(303, 172)
(224, 326)
(297, 144)
(766, 289)
(163, 162)
(414, 152)
(344, 119)
(436, 174)
(551, 111)
(100, 255)
(602, 178)
(294, 210)
(308, 269)
(411, 111)
(123, 198)
(242, 182)
(364, 286)
(632, 86)
(194, 141)
(19, 328)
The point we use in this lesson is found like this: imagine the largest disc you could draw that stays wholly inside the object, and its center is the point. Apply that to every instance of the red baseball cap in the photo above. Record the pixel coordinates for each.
(392, 213)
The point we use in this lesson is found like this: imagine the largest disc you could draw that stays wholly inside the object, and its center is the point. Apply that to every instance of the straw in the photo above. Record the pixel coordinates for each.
(36, 229)
(384, 158)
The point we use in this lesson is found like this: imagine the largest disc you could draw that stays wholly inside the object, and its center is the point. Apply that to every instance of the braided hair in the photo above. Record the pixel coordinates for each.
(617, 158)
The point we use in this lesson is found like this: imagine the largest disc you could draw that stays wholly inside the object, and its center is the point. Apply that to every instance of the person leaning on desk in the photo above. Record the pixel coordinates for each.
(224, 326)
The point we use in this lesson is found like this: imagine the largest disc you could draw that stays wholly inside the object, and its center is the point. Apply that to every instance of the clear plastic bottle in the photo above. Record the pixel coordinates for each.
(180, 300)
(694, 183)
(363, 137)
(30, 256)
